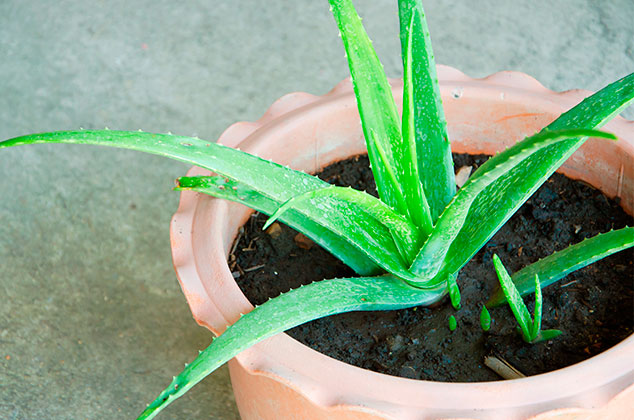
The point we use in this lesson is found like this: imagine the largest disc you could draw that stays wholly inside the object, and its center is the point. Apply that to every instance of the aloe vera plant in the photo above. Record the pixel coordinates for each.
(408, 245)
(529, 329)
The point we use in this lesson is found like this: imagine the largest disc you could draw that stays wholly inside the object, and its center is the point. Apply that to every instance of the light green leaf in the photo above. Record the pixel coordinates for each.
(288, 310)
(502, 198)
(367, 224)
(433, 151)
(561, 263)
(429, 260)
(485, 319)
(377, 109)
(537, 312)
(414, 194)
(516, 303)
(454, 291)
(361, 206)
(257, 176)
(227, 189)
(453, 324)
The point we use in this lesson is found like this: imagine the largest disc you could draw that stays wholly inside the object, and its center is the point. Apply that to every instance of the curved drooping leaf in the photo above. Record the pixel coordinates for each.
(429, 260)
(361, 205)
(424, 111)
(561, 263)
(500, 200)
(228, 189)
(288, 310)
(335, 213)
(379, 117)
(269, 177)
(256, 176)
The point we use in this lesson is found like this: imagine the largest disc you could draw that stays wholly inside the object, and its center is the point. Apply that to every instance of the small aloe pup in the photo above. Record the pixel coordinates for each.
(529, 329)
(407, 246)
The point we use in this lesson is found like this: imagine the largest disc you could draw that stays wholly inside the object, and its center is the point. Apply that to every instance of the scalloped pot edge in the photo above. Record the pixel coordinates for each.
(281, 378)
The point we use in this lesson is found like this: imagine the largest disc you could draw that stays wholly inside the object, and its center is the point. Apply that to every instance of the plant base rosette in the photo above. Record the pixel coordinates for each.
(281, 378)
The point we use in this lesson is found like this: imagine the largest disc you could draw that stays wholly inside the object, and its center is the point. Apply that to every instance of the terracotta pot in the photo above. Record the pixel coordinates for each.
(283, 379)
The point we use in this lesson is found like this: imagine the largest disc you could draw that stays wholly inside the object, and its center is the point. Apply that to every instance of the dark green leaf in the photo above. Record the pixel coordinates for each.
(546, 335)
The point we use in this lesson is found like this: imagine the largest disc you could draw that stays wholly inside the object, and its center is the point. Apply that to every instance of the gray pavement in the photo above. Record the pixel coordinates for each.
(92, 321)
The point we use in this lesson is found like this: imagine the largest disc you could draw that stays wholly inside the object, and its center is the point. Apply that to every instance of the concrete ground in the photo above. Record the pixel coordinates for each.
(92, 321)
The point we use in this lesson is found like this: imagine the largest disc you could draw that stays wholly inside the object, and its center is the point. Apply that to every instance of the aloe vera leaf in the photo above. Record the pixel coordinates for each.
(228, 189)
(546, 335)
(485, 319)
(362, 205)
(416, 199)
(433, 151)
(391, 177)
(502, 198)
(454, 291)
(353, 216)
(561, 263)
(453, 324)
(429, 260)
(377, 108)
(520, 312)
(288, 310)
(537, 312)
(267, 178)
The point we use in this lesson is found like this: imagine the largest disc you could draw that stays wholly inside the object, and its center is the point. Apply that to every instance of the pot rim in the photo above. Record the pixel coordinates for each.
(284, 358)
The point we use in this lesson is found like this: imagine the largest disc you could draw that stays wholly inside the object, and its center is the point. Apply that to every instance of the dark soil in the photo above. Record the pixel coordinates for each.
(593, 306)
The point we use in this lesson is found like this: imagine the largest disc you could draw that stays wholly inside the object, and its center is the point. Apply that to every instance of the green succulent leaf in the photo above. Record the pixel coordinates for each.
(275, 180)
(561, 263)
(390, 156)
(530, 329)
(228, 189)
(288, 310)
(268, 181)
(503, 197)
(537, 313)
(485, 319)
(519, 309)
(424, 122)
(347, 220)
(342, 209)
(453, 324)
(429, 260)
(454, 291)
(416, 199)
(546, 335)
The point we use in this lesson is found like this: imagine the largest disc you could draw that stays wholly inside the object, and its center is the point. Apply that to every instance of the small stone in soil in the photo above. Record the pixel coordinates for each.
(274, 231)
(303, 241)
